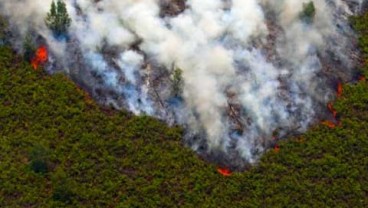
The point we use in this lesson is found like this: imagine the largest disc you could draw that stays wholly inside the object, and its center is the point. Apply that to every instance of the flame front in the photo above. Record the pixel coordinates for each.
(332, 109)
(339, 89)
(276, 148)
(224, 171)
(41, 57)
(329, 124)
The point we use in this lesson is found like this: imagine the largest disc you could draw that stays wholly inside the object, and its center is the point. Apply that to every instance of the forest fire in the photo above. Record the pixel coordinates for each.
(339, 89)
(332, 109)
(232, 85)
(40, 57)
(224, 171)
(329, 124)
(276, 148)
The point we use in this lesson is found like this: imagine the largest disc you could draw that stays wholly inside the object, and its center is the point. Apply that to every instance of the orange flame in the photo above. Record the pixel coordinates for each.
(224, 171)
(332, 109)
(276, 149)
(339, 89)
(41, 57)
(362, 78)
(329, 124)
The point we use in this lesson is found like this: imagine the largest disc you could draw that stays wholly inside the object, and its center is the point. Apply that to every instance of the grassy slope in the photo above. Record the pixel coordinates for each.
(58, 149)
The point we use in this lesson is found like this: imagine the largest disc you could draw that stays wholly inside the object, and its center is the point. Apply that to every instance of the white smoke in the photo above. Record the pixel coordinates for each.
(253, 59)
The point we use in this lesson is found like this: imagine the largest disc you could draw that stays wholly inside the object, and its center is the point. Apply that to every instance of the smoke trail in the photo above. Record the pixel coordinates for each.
(252, 70)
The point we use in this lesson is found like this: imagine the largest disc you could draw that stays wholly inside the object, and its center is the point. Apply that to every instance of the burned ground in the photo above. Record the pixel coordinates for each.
(172, 7)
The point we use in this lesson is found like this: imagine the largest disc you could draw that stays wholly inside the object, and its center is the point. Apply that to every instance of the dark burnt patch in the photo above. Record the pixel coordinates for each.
(172, 8)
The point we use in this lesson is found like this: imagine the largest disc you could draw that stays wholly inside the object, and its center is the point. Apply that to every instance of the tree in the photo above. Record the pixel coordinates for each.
(177, 82)
(29, 48)
(308, 12)
(58, 20)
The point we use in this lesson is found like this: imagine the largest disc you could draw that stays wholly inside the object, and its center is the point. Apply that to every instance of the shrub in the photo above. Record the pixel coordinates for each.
(39, 157)
(308, 12)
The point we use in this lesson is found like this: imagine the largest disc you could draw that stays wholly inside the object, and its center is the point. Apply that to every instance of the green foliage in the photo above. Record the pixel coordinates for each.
(29, 48)
(62, 191)
(177, 82)
(98, 157)
(4, 32)
(58, 20)
(360, 24)
(308, 12)
(39, 159)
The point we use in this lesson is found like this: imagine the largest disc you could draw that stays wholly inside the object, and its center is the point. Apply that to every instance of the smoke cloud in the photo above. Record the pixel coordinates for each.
(253, 71)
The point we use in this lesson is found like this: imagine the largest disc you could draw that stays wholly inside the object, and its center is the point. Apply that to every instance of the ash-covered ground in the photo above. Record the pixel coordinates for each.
(237, 75)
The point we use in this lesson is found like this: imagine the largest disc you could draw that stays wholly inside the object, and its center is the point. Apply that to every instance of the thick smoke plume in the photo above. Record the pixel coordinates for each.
(253, 71)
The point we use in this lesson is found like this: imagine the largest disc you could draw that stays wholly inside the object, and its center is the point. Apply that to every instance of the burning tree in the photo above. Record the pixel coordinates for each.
(40, 57)
(58, 19)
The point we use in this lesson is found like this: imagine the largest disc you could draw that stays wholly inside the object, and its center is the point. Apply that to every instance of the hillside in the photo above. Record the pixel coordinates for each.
(59, 149)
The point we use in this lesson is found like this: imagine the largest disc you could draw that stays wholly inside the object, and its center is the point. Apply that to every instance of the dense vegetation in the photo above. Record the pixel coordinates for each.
(59, 149)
